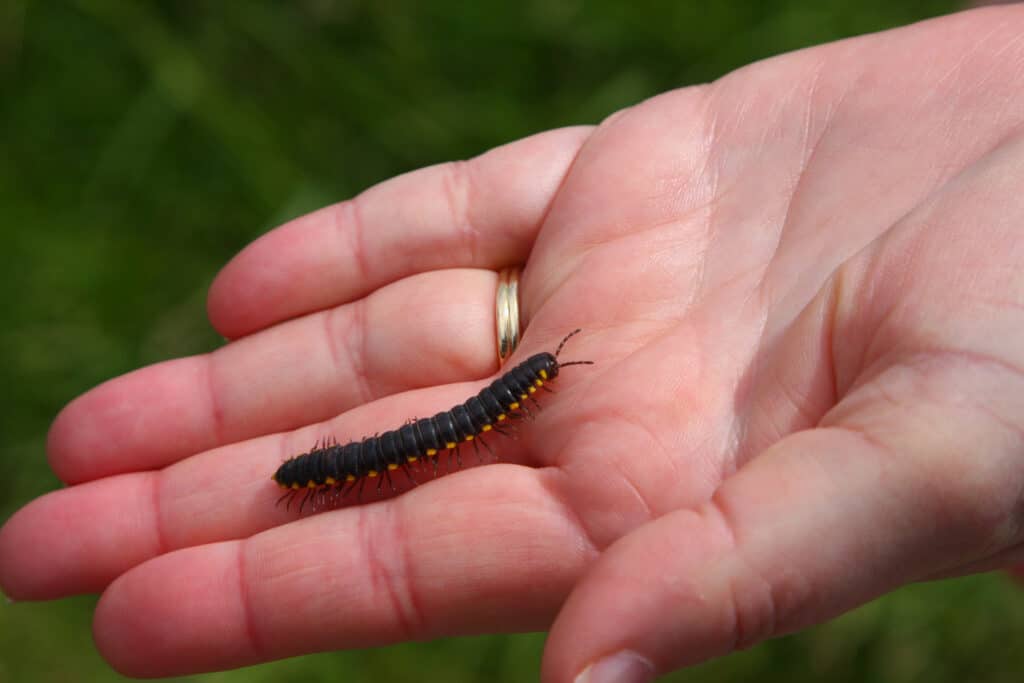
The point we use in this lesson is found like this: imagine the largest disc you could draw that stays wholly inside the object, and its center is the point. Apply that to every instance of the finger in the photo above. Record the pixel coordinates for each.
(822, 521)
(96, 531)
(492, 551)
(77, 540)
(429, 329)
(483, 213)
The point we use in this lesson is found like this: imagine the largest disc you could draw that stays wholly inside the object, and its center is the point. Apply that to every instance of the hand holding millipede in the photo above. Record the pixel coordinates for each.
(803, 290)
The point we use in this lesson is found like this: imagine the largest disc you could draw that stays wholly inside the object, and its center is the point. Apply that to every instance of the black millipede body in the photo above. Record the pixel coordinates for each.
(340, 468)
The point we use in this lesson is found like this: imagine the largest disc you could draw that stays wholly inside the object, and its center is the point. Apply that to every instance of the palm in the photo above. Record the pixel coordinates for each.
(695, 238)
(689, 275)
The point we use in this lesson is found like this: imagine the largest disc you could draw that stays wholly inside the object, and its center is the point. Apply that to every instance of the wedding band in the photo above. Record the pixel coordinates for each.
(507, 319)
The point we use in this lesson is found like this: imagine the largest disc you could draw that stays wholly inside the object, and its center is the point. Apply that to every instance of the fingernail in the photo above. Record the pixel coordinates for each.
(621, 667)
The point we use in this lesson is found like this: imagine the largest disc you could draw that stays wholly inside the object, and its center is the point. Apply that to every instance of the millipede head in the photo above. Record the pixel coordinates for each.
(543, 365)
(546, 365)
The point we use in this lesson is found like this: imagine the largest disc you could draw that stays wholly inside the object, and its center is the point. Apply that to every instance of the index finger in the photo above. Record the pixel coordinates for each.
(480, 213)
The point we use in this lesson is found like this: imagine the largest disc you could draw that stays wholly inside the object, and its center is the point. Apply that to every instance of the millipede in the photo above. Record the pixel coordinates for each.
(338, 469)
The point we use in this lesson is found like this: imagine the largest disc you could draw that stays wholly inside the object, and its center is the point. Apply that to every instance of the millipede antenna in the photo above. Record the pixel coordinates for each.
(567, 337)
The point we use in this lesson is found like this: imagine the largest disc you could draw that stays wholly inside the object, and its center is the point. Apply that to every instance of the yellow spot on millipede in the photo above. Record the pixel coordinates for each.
(514, 406)
(431, 451)
(523, 396)
(450, 445)
(544, 374)
(372, 473)
(539, 383)
(533, 390)
(295, 485)
(392, 466)
(469, 438)
(350, 477)
(411, 458)
(485, 428)
(311, 484)
(502, 417)
(330, 481)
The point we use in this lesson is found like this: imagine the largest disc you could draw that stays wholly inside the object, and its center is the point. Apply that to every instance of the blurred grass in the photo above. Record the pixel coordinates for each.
(142, 144)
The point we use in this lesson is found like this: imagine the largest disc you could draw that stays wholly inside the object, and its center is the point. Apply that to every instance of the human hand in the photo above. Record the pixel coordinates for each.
(800, 287)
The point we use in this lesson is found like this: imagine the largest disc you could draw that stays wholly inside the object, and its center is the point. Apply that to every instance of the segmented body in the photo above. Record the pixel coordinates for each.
(343, 466)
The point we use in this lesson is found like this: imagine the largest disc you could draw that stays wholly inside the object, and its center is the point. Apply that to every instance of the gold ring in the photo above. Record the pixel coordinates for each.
(507, 303)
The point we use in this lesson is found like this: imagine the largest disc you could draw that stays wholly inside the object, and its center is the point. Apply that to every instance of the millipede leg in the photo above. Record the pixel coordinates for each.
(487, 446)
(304, 499)
(387, 475)
(408, 472)
(289, 496)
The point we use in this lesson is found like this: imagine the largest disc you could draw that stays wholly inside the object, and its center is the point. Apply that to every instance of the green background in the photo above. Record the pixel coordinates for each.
(142, 144)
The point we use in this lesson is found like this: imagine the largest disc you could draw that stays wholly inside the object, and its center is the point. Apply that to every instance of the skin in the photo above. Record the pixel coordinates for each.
(802, 289)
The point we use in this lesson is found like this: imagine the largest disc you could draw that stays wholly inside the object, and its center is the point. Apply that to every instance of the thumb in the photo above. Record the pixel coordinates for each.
(822, 521)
